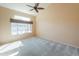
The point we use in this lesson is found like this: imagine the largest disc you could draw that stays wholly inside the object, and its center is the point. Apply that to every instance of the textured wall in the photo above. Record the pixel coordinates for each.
(5, 26)
(60, 23)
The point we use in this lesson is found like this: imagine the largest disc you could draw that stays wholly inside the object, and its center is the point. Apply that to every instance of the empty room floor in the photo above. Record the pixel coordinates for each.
(35, 46)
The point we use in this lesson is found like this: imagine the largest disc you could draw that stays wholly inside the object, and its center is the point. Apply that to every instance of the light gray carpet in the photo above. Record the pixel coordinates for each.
(37, 47)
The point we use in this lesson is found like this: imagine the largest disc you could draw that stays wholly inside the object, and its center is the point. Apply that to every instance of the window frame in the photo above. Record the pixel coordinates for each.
(29, 23)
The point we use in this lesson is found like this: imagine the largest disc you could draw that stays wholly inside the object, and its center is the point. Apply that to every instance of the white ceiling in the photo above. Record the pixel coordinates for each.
(22, 7)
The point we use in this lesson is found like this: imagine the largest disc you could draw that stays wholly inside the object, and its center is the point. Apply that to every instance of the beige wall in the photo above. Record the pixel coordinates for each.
(60, 23)
(5, 27)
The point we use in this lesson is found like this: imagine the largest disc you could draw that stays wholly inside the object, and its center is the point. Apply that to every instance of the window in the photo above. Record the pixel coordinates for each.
(21, 25)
